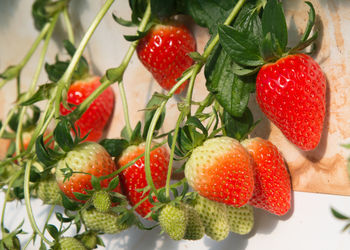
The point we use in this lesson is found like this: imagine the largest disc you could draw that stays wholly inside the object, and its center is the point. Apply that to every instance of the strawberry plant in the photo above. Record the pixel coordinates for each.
(104, 184)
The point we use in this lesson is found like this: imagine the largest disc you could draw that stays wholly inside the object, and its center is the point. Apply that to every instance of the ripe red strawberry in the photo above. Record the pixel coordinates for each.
(97, 115)
(134, 177)
(272, 181)
(291, 92)
(164, 52)
(221, 170)
(87, 157)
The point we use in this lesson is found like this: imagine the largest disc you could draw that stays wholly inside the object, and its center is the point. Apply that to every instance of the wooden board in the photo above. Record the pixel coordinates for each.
(322, 170)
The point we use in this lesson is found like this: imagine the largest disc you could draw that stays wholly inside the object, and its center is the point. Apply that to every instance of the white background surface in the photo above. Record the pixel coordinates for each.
(308, 226)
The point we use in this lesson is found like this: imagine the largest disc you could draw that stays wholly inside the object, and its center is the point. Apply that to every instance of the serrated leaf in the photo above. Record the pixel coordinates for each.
(242, 47)
(230, 90)
(63, 136)
(274, 22)
(151, 106)
(162, 9)
(209, 13)
(338, 215)
(53, 231)
(114, 147)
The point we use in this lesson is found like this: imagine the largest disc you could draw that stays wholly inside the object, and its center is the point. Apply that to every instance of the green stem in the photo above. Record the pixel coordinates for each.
(34, 81)
(30, 240)
(31, 51)
(125, 108)
(28, 204)
(172, 152)
(192, 73)
(68, 23)
(106, 82)
(205, 103)
(139, 203)
(196, 70)
(12, 180)
(67, 76)
(152, 128)
(4, 126)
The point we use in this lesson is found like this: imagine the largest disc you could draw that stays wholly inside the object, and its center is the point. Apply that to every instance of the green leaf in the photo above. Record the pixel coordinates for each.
(339, 215)
(231, 91)
(138, 8)
(122, 21)
(68, 204)
(151, 107)
(310, 22)
(242, 47)
(43, 10)
(274, 22)
(95, 182)
(62, 135)
(162, 9)
(60, 217)
(114, 147)
(196, 123)
(136, 137)
(209, 13)
(81, 196)
(45, 155)
(11, 72)
(113, 184)
(238, 127)
(138, 36)
(53, 231)
(270, 49)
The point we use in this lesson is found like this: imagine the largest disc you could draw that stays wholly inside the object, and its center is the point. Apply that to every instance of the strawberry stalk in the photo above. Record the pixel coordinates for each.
(28, 204)
(116, 75)
(190, 74)
(68, 23)
(64, 82)
(29, 54)
(19, 141)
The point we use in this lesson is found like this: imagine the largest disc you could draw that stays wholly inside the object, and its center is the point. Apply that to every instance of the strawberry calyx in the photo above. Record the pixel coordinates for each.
(265, 39)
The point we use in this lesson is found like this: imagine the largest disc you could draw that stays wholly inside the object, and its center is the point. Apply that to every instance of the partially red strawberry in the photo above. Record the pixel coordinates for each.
(272, 181)
(164, 52)
(87, 157)
(134, 177)
(97, 115)
(292, 94)
(221, 170)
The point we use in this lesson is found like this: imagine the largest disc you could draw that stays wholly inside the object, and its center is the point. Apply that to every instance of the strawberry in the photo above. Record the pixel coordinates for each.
(173, 220)
(292, 93)
(164, 52)
(101, 200)
(195, 228)
(221, 170)
(68, 243)
(272, 181)
(134, 177)
(214, 218)
(49, 192)
(103, 222)
(241, 219)
(87, 157)
(97, 115)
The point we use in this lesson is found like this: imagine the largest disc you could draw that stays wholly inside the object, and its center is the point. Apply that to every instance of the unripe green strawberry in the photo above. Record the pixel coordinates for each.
(49, 192)
(102, 222)
(69, 243)
(173, 221)
(194, 229)
(89, 239)
(101, 200)
(214, 218)
(241, 220)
